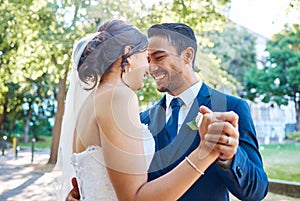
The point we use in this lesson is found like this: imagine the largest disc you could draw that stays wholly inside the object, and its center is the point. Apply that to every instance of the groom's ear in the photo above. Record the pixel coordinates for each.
(188, 54)
(127, 49)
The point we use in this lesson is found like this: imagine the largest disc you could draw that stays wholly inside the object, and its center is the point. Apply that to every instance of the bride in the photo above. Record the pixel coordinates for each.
(103, 142)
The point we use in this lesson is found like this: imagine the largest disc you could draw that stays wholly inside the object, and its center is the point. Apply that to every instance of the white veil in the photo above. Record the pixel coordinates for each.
(76, 95)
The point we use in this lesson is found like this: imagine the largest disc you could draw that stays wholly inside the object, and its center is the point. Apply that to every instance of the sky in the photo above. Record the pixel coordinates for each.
(265, 17)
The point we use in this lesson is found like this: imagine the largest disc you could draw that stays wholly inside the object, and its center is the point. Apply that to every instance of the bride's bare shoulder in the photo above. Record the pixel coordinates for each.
(117, 106)
(116, 96)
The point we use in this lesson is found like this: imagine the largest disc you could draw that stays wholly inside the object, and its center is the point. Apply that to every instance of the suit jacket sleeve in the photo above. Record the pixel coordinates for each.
(246, 179)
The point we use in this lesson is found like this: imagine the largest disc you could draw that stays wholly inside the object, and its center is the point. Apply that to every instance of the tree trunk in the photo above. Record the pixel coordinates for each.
(27, 125)
(2, 118)
(61, 95)
(11, 127)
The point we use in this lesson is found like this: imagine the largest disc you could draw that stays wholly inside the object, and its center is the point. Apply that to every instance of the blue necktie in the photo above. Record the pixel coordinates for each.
(172, 124)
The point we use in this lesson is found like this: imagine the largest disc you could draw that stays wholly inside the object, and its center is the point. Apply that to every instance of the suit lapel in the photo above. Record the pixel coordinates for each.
(158, 117)
(156, 125)
(186, 136)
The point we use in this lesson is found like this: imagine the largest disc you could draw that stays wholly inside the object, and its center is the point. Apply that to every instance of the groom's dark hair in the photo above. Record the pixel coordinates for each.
(180, 35)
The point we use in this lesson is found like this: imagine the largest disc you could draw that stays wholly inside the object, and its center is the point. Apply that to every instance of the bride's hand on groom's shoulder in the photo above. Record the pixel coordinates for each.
(73, 195)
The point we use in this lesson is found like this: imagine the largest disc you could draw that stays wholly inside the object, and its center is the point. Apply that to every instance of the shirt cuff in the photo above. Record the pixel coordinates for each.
(224, 164)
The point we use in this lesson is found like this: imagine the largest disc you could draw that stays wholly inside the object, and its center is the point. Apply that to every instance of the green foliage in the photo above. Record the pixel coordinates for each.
(208, 70)
(279, 80)
(295, 136)
(36, 43)
(294, 5)
(235, 47)
(201, 15)
(148, 94)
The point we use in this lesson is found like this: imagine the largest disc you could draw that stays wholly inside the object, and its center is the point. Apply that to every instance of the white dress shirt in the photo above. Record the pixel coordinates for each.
(188, 96)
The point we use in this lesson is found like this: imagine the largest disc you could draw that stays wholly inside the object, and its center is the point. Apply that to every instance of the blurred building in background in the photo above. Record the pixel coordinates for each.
(272, 122)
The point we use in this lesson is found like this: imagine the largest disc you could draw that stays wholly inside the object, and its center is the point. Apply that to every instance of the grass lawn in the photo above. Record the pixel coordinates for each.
(282, 161)
(44, 142)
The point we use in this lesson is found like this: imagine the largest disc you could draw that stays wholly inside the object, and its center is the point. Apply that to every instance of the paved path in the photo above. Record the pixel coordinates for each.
(22, 180)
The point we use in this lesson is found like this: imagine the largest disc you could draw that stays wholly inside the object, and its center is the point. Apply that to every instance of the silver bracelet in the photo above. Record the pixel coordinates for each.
(194, 166)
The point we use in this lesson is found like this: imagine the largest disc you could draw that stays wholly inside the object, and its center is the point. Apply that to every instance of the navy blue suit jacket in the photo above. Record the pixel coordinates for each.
(246, 179)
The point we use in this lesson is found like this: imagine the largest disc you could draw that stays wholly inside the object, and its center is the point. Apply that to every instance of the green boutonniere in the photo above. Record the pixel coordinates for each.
(194, 124)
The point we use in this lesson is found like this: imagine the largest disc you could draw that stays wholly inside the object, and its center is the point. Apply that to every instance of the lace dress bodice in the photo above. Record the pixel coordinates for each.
(91, 174)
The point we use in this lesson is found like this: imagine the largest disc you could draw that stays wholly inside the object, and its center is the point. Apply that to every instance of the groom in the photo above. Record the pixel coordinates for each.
(239, 169)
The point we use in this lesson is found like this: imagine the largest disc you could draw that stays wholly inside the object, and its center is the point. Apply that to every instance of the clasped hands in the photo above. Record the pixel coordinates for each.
(219, 132)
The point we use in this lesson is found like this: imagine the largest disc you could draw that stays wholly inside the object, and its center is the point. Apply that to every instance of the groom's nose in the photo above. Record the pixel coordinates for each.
(153, 67)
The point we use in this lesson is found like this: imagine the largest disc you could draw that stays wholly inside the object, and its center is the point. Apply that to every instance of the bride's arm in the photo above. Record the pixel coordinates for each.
(123, 153)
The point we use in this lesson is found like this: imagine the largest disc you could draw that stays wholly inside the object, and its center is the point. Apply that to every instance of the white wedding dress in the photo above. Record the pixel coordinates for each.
(92, 177)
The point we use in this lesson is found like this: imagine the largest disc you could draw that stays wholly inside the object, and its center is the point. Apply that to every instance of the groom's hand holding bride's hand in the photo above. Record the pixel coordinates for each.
(219, 132)
(74, 193)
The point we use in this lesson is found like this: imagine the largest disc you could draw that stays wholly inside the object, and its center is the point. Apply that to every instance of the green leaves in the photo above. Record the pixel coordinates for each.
(235, 49)
(279, 80)
(35, 53)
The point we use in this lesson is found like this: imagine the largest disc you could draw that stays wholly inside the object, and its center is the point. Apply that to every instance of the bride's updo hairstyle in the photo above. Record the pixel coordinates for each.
(107, 47)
